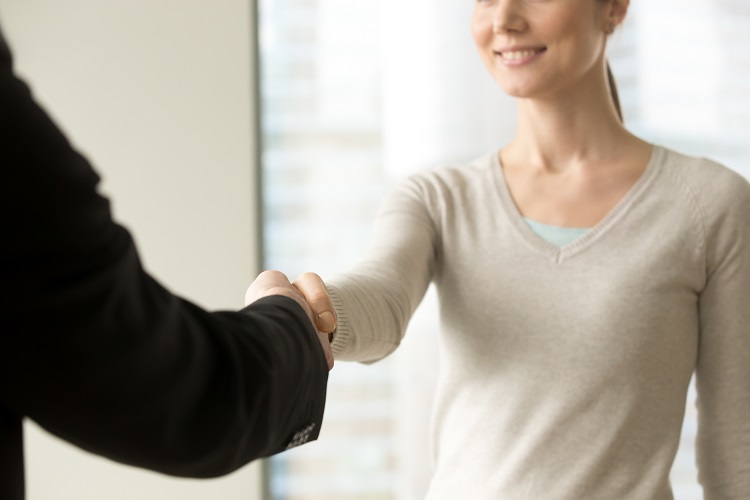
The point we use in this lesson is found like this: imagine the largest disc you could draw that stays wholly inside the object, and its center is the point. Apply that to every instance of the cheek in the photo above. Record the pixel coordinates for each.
(481, 31)
(578, 35)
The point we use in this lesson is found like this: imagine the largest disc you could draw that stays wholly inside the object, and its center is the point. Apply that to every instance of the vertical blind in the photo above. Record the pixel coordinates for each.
(356, 95)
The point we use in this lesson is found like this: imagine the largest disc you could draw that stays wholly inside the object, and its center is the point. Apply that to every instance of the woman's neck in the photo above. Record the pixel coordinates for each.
(577, 129)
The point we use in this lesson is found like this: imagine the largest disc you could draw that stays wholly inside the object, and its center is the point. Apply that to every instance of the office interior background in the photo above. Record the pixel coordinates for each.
(208, 151)
(357, 95)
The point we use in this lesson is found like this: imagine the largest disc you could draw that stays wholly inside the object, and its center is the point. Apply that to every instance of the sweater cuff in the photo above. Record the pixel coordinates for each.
(343, 331)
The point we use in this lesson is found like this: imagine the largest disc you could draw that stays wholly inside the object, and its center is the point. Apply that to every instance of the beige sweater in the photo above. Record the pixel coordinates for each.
(564, 372)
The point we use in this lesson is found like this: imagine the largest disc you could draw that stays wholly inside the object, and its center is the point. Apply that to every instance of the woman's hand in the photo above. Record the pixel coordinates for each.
(312, 287)
(276, 283)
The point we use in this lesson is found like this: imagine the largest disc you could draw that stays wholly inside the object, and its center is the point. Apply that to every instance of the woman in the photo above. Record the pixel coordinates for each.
(583, 274)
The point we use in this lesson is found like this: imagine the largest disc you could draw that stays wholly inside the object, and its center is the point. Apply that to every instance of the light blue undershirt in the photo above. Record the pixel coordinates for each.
(557, 235)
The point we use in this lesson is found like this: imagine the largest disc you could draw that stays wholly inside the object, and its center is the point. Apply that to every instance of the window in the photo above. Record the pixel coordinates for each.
(356, 95)
(323, 181)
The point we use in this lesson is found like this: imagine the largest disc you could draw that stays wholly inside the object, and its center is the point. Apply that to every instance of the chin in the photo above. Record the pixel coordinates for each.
(527, 86)
(521, 91)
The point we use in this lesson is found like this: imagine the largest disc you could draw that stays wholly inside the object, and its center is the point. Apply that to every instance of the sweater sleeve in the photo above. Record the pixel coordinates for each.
(100, 354)
(723, 365)
(376, 299)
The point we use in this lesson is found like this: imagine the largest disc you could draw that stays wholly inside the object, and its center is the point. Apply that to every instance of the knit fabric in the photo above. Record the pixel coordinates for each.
(564, 371)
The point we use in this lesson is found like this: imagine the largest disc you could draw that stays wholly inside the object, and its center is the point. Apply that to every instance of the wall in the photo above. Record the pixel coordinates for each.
(158, 95)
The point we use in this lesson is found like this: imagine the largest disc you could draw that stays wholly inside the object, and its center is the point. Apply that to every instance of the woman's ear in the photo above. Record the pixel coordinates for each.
(616, 13)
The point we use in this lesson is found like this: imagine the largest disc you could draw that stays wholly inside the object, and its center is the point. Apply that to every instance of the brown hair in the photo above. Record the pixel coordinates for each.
(612, 84)
(613, 91)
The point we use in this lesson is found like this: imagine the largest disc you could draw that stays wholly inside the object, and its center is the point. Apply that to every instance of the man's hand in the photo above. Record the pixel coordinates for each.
(276, 283)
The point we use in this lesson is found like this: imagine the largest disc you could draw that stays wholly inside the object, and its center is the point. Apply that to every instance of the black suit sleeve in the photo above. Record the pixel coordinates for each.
(100, 354)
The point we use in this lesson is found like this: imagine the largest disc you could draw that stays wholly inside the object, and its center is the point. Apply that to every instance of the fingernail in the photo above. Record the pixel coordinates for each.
(326, 323)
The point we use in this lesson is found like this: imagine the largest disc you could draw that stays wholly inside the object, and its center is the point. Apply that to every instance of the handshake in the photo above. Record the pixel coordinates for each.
(311, 294)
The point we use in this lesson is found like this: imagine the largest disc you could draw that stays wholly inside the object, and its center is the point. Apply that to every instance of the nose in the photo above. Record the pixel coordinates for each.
(507, 17)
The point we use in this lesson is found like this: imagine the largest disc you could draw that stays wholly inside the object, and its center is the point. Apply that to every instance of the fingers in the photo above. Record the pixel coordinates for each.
(276, 283)
(326, 345)
(315, 292)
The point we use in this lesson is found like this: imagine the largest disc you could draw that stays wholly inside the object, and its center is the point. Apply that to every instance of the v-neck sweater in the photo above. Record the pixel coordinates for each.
(564, 371)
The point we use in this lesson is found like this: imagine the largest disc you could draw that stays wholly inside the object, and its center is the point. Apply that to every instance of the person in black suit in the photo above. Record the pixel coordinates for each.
(100, 354)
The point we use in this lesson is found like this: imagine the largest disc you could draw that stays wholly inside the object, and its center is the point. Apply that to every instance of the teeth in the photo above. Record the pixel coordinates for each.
(519, 54)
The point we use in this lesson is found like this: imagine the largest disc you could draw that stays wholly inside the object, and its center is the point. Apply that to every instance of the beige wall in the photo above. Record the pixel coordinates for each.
(157, 94)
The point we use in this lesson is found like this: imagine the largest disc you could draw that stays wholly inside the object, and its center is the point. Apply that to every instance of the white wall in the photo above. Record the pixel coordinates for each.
(157, 94)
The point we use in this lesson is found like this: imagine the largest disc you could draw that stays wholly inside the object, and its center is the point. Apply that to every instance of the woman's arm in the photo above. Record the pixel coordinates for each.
(375, 300)
(723, 365)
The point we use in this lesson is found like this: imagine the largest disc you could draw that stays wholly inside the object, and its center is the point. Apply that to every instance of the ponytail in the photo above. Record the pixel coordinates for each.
(613, 92)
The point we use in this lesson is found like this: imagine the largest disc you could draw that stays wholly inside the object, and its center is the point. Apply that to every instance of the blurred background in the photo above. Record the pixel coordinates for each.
(238, 135)
(158, 94)
(357, 95)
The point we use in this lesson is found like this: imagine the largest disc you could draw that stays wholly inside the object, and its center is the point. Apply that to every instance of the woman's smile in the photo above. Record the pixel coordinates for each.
(519, 56)
(542, 48)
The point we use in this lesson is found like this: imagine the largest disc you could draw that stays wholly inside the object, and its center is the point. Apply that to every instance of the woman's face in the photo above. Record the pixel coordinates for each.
(535, 48)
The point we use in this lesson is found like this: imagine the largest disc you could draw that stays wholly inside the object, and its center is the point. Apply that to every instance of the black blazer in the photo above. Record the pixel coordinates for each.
(100, 354)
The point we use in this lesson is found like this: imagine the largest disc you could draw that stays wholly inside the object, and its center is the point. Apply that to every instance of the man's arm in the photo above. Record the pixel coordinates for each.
(99, 353)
